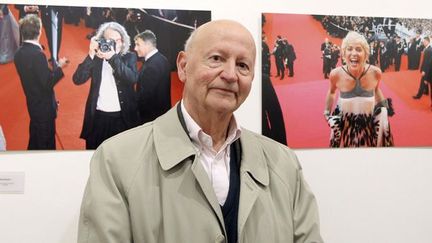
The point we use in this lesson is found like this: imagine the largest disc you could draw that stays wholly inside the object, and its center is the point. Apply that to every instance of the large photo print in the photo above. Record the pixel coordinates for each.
(72, 77)
(346, 81)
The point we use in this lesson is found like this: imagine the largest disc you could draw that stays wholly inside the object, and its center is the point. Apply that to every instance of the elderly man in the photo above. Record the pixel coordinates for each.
(193, 175)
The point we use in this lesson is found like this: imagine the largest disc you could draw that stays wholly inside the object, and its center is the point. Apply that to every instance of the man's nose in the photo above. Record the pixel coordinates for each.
(230, 72)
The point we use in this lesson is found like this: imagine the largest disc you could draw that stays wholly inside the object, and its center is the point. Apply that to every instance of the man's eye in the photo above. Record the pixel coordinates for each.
(215, 58)
(243, 68)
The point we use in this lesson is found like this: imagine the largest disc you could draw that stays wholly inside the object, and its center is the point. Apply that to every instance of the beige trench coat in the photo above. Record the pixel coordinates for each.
(146, 185)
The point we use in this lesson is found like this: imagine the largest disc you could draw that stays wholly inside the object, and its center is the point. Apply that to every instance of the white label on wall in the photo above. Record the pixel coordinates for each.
(12, 182)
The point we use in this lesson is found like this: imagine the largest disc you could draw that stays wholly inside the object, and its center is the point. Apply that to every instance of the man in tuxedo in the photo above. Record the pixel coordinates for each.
(265, 57)
(52, 22)
(154, 82)
(38, 82)
(418, 49)
(425, 69)
(399, 52)
(290, 57)
(326, 56)
(279, 53)
(335, 55)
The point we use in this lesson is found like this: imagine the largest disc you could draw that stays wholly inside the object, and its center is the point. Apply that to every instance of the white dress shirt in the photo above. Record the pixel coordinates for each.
(34, 43)
(215, 163)
(108, 99)
(150, 54)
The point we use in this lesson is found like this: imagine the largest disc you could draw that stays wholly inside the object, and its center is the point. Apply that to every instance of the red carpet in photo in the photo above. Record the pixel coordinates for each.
(302, 96)
(14, 117)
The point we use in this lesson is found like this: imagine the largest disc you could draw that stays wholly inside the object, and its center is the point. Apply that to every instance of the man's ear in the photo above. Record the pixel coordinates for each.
(181, 66)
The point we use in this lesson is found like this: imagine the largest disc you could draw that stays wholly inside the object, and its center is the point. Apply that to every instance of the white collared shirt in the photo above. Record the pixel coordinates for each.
(150, 54)
(108, 99)
(215, 163)
(34, 43)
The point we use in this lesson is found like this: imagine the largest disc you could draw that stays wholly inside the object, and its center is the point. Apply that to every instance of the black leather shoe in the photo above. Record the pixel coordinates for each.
(416, 97)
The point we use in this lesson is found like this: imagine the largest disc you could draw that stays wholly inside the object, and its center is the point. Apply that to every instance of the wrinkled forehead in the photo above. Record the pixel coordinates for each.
(225, 36)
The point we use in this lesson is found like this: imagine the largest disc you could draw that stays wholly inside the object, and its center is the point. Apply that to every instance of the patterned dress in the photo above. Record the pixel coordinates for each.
(357, 121)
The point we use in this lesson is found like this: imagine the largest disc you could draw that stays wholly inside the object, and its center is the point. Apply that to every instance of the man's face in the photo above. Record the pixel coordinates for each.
(142, 48)
(114, 35)
(218, 68)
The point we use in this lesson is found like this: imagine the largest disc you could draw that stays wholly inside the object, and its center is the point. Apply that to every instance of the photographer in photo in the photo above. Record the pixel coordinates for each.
(111, 106)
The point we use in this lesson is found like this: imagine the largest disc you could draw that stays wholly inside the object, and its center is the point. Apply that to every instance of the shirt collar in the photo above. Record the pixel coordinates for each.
(34, 43)
(200, 138)
(150, 54)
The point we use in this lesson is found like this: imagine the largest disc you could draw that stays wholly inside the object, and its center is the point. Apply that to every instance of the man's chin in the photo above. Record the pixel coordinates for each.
(223, 106)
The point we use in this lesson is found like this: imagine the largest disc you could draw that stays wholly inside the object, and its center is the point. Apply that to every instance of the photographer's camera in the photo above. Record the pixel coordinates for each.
(106, 45)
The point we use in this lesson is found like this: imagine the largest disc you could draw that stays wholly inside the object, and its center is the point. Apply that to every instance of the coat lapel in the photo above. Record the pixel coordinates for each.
(204, 182)
(170, 134)
(254, 176)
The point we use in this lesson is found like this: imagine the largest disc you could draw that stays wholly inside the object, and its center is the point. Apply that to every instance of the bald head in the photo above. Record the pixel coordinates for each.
(228, 27)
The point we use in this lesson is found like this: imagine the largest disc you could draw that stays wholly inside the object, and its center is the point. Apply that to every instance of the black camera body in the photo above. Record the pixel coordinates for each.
(106, 45)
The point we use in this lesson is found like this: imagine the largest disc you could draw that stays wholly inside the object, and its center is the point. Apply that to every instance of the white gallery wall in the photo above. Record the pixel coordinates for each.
(364, 195)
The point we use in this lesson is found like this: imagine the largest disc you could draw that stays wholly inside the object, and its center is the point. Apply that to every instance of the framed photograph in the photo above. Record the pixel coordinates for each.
(346, 81)
(67, 32)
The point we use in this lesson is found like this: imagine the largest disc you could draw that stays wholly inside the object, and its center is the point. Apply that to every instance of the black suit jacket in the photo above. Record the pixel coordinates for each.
(426, 64)
(290, 53)
(38, 81)
(125, 74)
(154, 88)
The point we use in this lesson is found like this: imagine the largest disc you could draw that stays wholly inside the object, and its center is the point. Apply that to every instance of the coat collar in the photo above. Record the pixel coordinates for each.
(173, 146)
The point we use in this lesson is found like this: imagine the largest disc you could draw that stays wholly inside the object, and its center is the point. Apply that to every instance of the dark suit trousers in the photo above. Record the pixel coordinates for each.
(290, 67)
(423, 88)
(42, 135)
(106, 125)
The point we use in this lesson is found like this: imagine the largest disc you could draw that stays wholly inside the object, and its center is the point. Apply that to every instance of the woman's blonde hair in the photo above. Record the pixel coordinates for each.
(352, 37)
